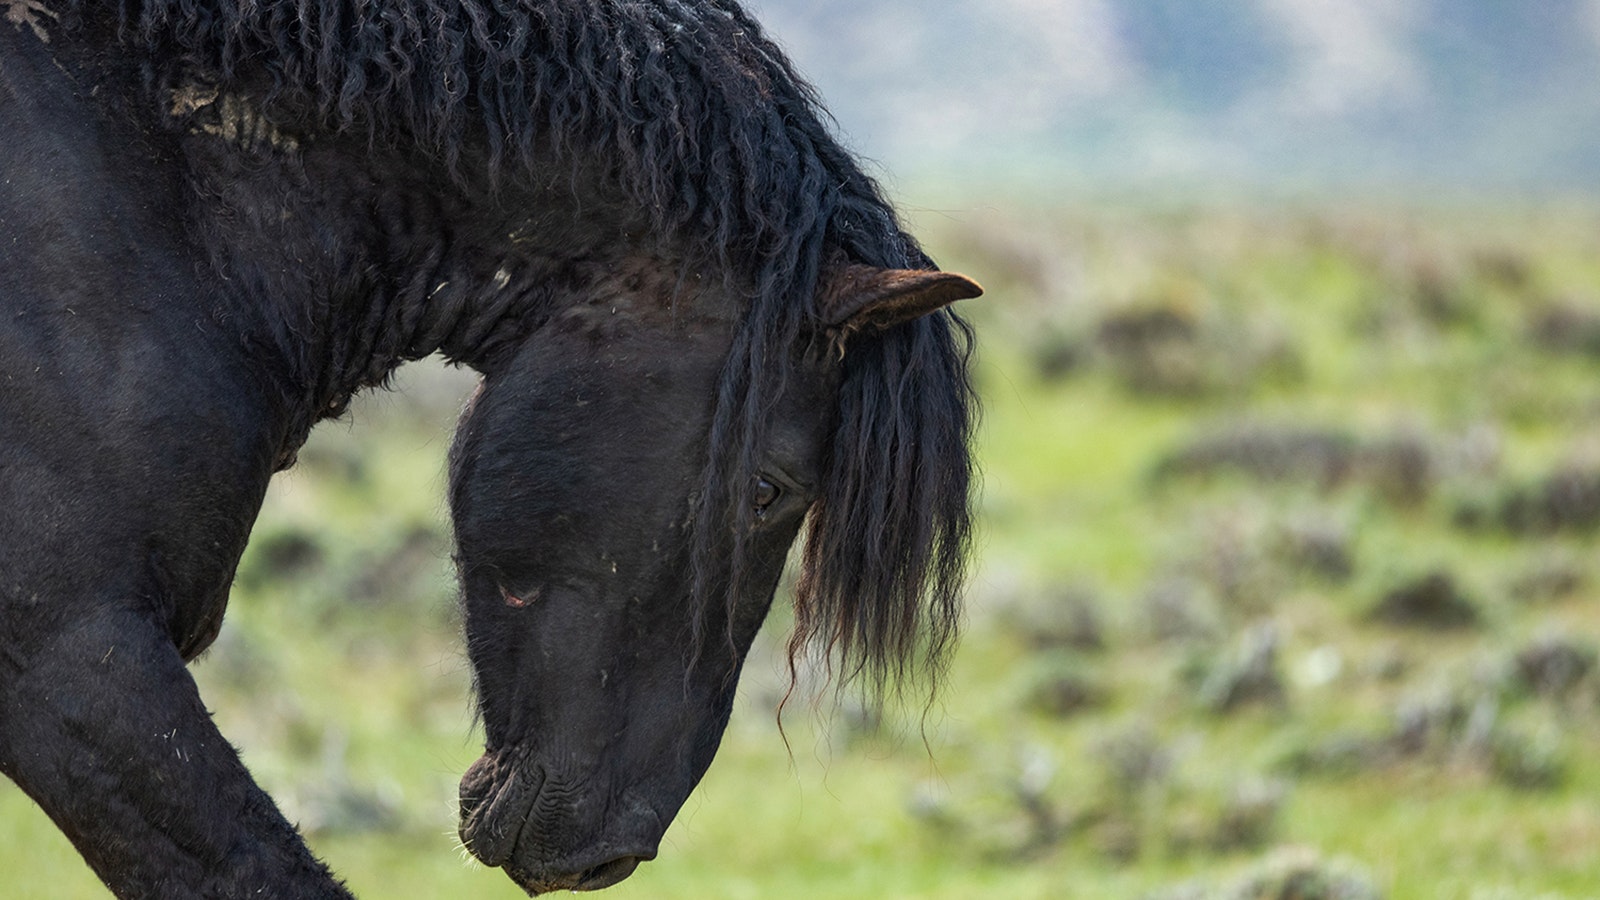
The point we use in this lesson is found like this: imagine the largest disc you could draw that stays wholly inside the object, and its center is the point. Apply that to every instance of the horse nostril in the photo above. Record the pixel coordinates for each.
(608, 873)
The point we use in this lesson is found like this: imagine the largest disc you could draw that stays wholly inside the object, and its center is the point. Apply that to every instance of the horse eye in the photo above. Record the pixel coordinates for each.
(766, 494)
(518, 601)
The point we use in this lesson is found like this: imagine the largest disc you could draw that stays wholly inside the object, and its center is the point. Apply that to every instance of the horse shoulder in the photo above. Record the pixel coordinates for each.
(135, 438)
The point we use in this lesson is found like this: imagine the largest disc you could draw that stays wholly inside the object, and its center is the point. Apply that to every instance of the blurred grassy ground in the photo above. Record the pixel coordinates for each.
(1286, 589)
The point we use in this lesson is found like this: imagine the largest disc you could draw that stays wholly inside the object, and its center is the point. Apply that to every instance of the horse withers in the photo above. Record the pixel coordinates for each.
(700, 329)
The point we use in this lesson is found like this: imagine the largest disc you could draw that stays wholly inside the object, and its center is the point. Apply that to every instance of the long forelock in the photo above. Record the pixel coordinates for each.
(711, 130)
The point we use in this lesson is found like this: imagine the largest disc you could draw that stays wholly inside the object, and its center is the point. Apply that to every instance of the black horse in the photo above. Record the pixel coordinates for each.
(699, 327)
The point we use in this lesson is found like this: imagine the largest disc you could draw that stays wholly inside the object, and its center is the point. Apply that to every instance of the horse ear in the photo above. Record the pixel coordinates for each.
(866, 298)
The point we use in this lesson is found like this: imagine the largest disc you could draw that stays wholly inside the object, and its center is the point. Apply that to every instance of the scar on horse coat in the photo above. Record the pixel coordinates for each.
(700, 327)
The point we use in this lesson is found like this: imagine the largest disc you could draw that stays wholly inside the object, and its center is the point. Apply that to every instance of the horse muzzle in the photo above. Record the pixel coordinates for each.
(516, 817)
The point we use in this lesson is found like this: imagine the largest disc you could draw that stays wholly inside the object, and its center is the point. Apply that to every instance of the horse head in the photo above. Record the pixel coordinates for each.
(606, 646)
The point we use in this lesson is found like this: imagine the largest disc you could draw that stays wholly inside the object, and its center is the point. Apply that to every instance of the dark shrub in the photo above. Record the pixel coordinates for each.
(1432, 601)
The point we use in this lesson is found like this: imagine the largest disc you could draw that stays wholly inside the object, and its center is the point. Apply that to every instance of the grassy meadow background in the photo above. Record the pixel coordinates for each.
(1287, 588)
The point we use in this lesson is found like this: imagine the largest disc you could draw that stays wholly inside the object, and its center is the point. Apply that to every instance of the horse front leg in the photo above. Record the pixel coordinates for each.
(103, 726)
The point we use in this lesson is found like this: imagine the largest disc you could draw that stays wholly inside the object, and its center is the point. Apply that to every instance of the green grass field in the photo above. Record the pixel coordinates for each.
(1287, 588)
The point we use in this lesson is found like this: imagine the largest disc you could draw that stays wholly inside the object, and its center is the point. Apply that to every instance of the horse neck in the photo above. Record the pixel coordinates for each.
(357, 260)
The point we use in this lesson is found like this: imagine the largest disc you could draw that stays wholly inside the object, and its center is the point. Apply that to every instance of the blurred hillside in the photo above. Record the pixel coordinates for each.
(1275, 93)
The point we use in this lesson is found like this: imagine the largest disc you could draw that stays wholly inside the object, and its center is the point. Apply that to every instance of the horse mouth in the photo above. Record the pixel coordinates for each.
(609, 873)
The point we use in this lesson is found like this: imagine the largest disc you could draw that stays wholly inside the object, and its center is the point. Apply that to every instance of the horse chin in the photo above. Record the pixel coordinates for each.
(594, 878)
